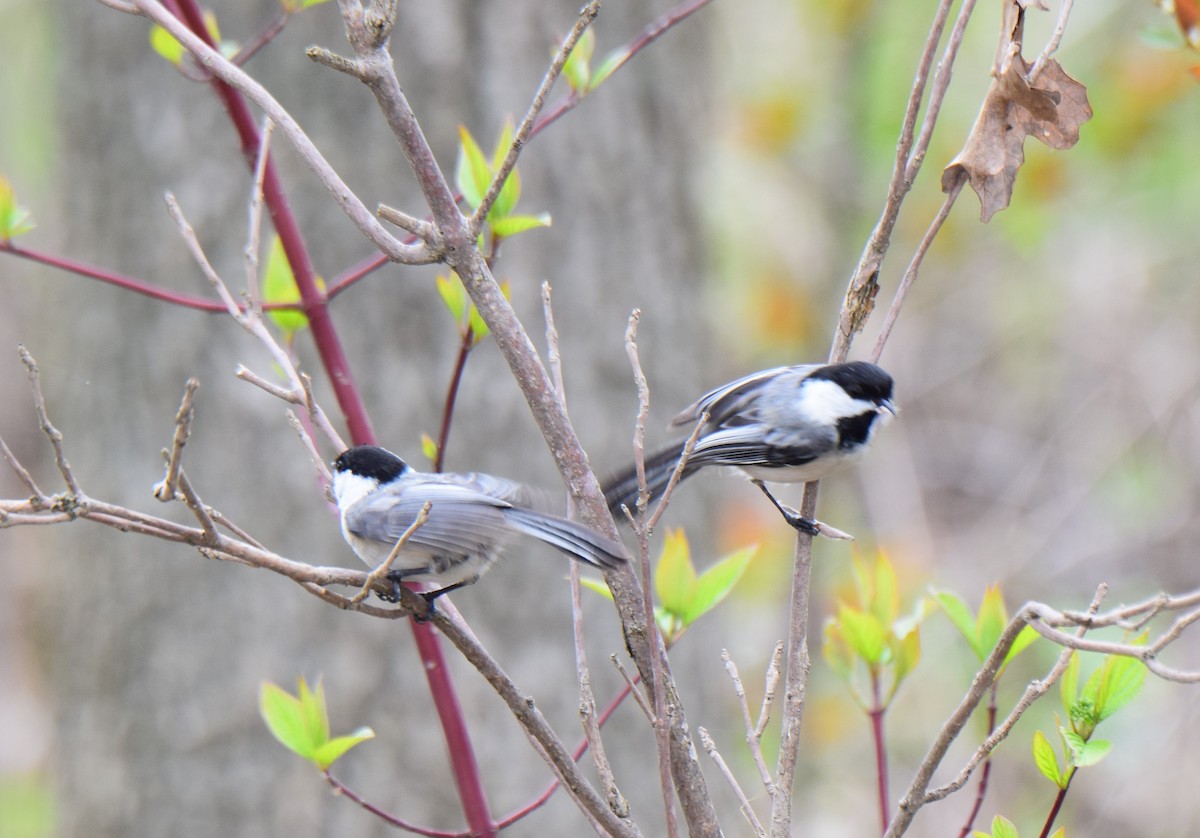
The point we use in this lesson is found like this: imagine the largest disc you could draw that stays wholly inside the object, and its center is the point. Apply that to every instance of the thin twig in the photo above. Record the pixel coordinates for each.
(52, 433)
(380, 573)
(1060, 28)
(638, 697)
(753, 736)
(199, 509)
(165, 491)
(22, 473)
(642, 528)
(586, 15)
(711, 747)
(914, 266)
(254, 221)
(322, 469)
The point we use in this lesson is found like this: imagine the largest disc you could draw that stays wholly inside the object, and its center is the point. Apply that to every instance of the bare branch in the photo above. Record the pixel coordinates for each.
(638, 697)
(165, 491)
(238, 79)
(753, 733)
(22, 473)
(254, 221)
(199, 509)
(418, 227)
(711, 747)
(586, 15)
(52, 433)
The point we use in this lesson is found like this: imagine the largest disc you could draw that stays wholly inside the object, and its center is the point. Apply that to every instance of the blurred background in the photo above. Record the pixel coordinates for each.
(723, 182)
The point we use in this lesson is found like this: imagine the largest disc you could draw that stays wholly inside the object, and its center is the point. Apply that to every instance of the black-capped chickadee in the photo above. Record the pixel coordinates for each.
(472, 517)
(782, 425)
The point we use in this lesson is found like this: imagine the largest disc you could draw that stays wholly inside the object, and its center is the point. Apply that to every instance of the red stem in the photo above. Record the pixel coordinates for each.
(462, 757)
(387, 817)
(580, 750)
(876, 714)
(460, 366)
(981, 792)
(1058, 802)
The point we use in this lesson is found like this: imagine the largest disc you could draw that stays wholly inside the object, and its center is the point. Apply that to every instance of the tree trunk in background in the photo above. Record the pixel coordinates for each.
(154, 656)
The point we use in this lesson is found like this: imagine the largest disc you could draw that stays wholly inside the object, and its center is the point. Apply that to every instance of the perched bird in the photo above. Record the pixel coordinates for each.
(782, 425)
(472, 517)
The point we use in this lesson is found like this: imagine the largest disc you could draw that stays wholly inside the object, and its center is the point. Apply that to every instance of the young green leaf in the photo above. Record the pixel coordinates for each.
(164, 43)
(287, 720)
(1045, 759)
(510, 192)
(14, 218)
(714, 584)
(453, 295)
(1069, 687)
(301, 723)
(1024, 637)
(836, 650)
(511, 225)
(473, 174)
(885, 599)
(1002, 827)
(906, 651)
(960, 615)
(992, 618)
(863, 632)
(1118, 681)
(429, 448)
(675, 576)
(577, 70)
(608, 66)
(329, 752)
(279, 286)
(597, 585)
(1092, 752)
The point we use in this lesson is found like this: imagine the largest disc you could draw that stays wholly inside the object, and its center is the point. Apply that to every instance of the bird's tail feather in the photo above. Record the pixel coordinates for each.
(622, 488)
(577, 541)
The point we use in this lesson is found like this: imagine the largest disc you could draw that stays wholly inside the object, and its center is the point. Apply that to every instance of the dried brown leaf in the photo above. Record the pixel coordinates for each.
(1051, 111)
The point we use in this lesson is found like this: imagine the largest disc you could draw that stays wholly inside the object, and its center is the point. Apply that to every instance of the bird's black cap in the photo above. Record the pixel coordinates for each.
(859, 379)
(371, 461)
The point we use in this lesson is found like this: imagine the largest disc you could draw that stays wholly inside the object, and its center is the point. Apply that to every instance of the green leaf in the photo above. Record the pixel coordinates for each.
(279, 286)
(164, 43)
(287, 720)
(1069, 688)
(906, 652)
(1121, 678)
(960, 615)
(1045, 759)
(1092, 752)
(1002, 827)
(473, 174)
(577, 70)
(329, 752)
(511, 225)
(885, 600)
(675, 575)
(316, 717)
(836, 650)
(714, 584)
(1024, 638)
(510, 192)
(450, 289)
(14, 218)
(597, 585)
(479, 329)
(429, 448)
(1061, 832)
(608, 66)
(992, 619)
(863, 632)
(1074, 742)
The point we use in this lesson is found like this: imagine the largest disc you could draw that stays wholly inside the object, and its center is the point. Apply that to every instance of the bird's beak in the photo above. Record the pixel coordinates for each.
(889, 406)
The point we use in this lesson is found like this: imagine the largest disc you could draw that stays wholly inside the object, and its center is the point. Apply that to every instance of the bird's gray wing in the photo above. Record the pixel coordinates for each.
(462, 520)
(757, 445)
(735, 400)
